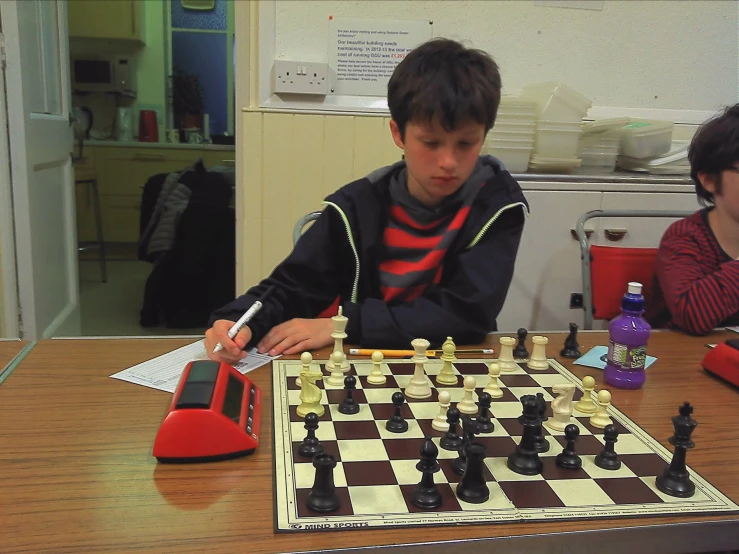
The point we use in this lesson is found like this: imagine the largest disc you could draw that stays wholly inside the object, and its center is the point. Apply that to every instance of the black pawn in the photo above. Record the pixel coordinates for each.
(469, 429)
(349, 406)
(567, 458)
(452, 440)
(525, 459)
(323, 497)
(426, 495)
(541, 444)
(520, 352)
(472, 487)
(484, 424)
(608, 459)
(675, 481)
(571, 348)
(396, 424)
(310, 446)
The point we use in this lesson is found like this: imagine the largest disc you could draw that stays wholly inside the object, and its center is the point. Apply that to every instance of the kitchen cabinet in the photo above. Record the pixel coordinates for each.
(105, 19)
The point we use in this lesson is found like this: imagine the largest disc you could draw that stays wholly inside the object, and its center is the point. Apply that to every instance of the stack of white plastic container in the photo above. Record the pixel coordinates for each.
(511, 140)
(560, 111)
(600, 144)
(646, 145)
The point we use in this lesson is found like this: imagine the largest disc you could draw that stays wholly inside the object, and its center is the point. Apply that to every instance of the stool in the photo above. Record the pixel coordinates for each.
(92, 182)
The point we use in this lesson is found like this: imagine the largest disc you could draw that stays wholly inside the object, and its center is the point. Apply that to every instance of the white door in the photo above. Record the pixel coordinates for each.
(38, 103)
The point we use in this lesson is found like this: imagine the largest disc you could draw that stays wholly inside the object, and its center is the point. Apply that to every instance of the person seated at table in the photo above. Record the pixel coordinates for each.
(696, 287)
(435, 235)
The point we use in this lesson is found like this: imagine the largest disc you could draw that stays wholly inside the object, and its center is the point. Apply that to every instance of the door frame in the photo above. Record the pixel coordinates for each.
(22, 263)
(9, 292)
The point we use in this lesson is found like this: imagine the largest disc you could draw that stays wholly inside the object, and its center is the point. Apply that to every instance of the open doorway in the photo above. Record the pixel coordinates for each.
(155, 174)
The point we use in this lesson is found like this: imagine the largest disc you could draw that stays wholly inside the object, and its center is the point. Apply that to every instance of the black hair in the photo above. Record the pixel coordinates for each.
(714, 148)
(442, 79)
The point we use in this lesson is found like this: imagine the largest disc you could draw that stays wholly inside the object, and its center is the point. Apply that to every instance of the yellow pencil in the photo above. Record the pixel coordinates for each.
(404, 353)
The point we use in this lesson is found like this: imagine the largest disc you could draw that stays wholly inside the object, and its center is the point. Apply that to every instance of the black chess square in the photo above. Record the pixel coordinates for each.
(329, 447)
(531, 494)
(585, 445)
(292, 385)
(597, 430)
(356, 430)
(294, 417)
(337, 396)
(345, 507)
(390, 383)
(552, 471)
(383, 412)
(518, 381)
(448, 470)
(363, 474)
(628, 490)
(643, 465)
(406, 449)
(472, 368)
(449, 501)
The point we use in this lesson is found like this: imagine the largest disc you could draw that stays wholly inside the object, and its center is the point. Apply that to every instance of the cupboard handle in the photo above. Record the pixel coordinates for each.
(615, 235)
(588, 232)
(152, 157)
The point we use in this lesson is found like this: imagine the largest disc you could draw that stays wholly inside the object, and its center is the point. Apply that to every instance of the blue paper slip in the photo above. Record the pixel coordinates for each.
(596, 357)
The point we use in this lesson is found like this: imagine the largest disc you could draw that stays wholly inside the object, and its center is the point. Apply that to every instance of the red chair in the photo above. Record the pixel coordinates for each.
(606, 270)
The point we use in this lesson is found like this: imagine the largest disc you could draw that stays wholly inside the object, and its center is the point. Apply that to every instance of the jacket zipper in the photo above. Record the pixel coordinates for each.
(487, 226)
(354, 248)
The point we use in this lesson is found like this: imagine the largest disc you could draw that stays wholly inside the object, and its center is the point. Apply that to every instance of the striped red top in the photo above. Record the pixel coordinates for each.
(696, 284)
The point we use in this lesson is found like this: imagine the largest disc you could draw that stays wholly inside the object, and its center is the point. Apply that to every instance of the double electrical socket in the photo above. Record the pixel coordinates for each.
(290, 77)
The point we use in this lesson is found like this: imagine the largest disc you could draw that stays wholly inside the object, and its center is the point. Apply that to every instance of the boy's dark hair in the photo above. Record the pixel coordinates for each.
(714, 148)
(443, 79)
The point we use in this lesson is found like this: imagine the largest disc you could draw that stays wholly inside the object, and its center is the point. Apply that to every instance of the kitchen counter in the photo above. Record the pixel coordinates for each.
(183, 146)
(615, 177)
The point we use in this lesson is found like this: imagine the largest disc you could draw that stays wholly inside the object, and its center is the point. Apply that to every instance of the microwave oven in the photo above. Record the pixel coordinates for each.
(100, 73)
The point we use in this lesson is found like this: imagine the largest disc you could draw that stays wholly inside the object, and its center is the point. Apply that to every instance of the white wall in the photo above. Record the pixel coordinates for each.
(665, 55)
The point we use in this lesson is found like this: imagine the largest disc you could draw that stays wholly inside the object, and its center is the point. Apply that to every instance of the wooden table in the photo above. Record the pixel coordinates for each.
(77, 475)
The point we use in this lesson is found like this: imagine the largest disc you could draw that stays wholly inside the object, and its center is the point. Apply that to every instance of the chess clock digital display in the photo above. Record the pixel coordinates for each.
(214, 415)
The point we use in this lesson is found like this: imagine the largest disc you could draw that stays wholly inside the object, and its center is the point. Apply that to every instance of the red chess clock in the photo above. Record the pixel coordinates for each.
(723, 361)
(214, 415)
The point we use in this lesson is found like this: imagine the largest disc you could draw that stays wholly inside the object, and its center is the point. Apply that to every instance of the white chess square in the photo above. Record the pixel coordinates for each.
(518, 370)
(589, 467)
(506, 410)
(518, 392)
(325, 431)
(377, 499)
(380, 395)
(549, 379)
(364, 414)
(407, 474)
(580, 492)
(403, 380)
(497, 500)
(293, 369)
(699, 496)
(293, 397)
(500, 471)
(364, 450)
(456, 394)
(583, 430)
(424, 410)
(443, 453)
(554, 447)
(414, 431)
(628, 444)
(433, 367)
(305, 475)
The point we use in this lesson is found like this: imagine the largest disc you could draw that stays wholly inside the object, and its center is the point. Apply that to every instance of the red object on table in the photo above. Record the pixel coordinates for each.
(148, 126)
(723, 361)
(214, 415)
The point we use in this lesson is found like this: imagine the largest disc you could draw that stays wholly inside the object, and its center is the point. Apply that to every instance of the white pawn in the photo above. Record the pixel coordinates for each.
(467, 405)
(439, 423)
(336, 379)
(447, 375)
(492, 388)
(538, 359)
(600, 418)
(586, 405)
(505, 358)
(306, 358)
(376, 377)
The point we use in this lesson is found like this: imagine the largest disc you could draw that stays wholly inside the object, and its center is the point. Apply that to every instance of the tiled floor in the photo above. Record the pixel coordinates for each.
(112, 308)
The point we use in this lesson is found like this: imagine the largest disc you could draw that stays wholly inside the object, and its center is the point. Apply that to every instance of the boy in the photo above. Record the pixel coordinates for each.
(697, 272)
(423, 248)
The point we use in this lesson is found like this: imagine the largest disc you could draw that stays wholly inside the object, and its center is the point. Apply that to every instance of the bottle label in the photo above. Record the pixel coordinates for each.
(625, 357)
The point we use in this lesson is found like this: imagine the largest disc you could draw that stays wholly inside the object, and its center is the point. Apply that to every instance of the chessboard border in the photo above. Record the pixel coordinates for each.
(511, 514)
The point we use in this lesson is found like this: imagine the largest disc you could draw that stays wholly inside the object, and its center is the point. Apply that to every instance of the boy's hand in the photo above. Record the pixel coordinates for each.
(297, 335)
(233, 350)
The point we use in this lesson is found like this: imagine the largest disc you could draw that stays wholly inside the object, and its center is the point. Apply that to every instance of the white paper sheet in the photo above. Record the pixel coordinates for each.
(163, 372)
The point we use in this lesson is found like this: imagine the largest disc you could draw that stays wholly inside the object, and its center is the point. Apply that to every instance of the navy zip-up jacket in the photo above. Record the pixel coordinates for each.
(340, 254)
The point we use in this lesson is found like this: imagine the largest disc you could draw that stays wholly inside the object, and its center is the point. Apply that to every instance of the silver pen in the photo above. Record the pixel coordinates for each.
(244, 319)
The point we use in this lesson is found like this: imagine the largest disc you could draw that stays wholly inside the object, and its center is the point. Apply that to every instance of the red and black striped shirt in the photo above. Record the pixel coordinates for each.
(696, 286)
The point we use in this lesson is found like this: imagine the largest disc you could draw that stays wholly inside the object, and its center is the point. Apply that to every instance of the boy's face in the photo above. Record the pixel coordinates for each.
(438, 161)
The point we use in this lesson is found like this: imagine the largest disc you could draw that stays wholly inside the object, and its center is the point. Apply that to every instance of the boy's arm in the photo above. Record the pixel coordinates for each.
(307, 281)
(698, 300)
(465, 308)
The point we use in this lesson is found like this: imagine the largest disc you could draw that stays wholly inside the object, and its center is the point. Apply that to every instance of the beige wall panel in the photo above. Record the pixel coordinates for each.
(390, 152)
(278, 175)
(250, 270)
(338, 153)
(308, 161)
(253, 164)
(368, 147)
(276, 242)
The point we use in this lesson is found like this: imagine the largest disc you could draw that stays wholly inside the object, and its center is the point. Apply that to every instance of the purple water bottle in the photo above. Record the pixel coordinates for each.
(627, 351)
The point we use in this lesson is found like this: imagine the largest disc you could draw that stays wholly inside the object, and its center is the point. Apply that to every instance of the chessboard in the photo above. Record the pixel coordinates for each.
(376, 472)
